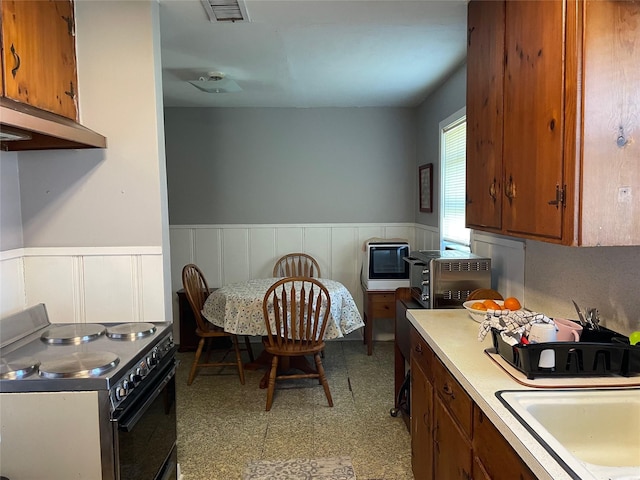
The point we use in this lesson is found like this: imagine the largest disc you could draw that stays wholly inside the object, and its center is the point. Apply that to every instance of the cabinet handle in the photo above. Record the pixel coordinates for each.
(16, 59)
(510, 188)
(448, 391)
(70, 24)
(622, 140)
(559, 197)
(71, 93)
(418, 348)
(492, 190)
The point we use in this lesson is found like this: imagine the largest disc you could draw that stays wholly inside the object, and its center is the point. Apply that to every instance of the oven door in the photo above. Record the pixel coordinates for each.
(145, 429)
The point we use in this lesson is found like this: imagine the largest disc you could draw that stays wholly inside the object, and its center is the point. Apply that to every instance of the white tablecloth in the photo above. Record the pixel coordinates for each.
(237, 308)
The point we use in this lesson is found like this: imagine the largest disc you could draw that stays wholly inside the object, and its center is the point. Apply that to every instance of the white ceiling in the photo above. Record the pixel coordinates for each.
(313, 53)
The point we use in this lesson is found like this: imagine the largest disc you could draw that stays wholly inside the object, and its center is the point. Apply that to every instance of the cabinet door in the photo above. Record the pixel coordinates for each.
(454, 397)
(421, 422)
(534, 117)
(452, 452)
(39, 60)
(611, 80)
(494, 458)
(485, 74)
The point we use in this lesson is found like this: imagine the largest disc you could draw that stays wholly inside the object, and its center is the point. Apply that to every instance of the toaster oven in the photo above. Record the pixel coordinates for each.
(444, 278)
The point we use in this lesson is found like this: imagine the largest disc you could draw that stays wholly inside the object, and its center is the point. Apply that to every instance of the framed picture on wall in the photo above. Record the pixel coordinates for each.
(425, 173)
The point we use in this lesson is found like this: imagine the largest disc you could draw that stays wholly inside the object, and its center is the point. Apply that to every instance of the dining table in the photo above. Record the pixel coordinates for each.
(237, 308)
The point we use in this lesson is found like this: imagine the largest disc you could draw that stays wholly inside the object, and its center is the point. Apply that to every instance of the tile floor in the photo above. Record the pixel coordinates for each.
(222, 424)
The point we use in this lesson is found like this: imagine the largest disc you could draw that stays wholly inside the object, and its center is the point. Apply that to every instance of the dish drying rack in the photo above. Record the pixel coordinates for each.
(600, 352)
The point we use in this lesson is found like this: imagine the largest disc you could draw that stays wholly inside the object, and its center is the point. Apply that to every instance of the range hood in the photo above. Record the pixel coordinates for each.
(23, 127)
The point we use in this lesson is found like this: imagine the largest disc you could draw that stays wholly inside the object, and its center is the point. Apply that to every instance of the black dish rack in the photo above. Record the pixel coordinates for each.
(598, 353)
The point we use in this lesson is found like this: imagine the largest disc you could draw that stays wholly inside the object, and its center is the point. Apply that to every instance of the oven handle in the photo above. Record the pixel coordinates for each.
(128, 424)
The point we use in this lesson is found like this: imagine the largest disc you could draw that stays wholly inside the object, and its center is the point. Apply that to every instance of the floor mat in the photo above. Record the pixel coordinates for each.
(338, 468)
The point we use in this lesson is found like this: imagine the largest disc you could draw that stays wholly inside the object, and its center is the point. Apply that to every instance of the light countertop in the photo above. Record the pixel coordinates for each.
(452, 335)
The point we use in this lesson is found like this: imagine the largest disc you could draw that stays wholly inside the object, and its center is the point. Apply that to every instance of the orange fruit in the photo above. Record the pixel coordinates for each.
(491, 304)
(512, 303)
(478, 306)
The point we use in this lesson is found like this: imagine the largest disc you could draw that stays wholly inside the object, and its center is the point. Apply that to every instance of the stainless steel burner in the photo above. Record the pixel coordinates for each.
(73, 334)
(79, 365)
(20, 368)
(131, 331)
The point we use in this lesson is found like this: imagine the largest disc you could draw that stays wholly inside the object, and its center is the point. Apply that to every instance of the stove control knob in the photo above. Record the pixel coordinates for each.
(121, 392)
(134, 378)
(152, 359)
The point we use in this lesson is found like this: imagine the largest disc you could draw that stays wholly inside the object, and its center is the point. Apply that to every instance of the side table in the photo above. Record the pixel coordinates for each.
(378, 304)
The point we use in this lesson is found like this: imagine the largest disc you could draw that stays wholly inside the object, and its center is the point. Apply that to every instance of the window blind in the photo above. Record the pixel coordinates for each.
(454, 159)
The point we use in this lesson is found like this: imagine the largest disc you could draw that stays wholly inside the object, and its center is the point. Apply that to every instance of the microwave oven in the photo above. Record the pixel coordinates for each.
(383, 265)
(444, 278)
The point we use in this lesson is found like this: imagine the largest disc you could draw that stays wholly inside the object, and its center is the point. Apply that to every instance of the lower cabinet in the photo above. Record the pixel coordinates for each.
(422, 443)
(452, 446)
(494, 458)
(450, 436)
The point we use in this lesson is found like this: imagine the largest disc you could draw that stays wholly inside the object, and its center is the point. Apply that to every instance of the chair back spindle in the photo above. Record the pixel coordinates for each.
(296, 310)
(296, 265)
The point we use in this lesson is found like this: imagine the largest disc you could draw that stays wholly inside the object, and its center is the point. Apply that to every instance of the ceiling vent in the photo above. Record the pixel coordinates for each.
(226, 10)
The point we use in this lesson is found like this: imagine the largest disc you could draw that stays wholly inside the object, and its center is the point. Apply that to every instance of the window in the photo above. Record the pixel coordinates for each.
(453, 161)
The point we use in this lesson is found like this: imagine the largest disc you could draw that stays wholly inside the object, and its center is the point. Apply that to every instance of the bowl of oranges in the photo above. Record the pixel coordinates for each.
(478, 308)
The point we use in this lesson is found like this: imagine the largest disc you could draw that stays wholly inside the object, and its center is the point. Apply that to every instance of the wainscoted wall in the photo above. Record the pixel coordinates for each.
(232, 253)
(85, 285)
(109, 284)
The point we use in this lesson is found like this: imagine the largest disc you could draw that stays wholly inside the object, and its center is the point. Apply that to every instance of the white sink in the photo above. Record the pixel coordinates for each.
(594, 433)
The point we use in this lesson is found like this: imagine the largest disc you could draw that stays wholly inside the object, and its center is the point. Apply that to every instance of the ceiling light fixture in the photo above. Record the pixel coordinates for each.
(226, 10)
(216, 82)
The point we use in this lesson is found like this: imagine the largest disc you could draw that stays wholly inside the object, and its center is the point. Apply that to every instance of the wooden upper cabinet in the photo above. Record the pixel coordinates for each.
(610, 158)
(554, 119)
(485, 64)
(533, 117)
(39, 56)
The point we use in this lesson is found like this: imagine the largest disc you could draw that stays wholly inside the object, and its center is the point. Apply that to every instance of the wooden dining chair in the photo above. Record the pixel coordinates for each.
(296, 313)
(296, 265)
(197, 290)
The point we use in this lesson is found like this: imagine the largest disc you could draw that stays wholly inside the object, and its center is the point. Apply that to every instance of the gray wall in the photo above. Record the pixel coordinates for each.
(450, 97)
(281, 165)
(10, 212)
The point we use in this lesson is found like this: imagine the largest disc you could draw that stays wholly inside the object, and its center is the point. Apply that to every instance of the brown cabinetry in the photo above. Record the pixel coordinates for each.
(453, 410)
(452, 450)
(422, 422)
(494, 458)
(551, 106)
(402, 350)
(450, 436)
(39, 56)
(377, 304)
